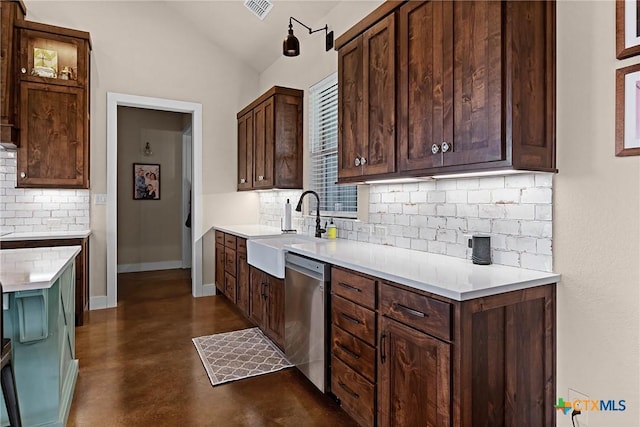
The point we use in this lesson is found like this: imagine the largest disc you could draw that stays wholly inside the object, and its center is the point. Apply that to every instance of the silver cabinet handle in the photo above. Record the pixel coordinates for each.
(357, 161)
(243, 181)
(435, 149)
(363, 161)
(446, 147)
(23, 175)
(23, 70)
(261, 178)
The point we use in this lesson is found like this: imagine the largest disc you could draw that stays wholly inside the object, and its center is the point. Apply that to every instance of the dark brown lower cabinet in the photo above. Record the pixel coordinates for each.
(414, 377)
(219, 267)
(266, 306)
(82, 267)
(242, 284)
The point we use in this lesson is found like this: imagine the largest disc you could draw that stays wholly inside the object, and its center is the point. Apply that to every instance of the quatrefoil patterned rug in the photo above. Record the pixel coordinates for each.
(232, 356)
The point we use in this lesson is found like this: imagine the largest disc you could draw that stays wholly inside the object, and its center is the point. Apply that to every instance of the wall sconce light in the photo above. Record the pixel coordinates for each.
(291, 45)
(147, 150)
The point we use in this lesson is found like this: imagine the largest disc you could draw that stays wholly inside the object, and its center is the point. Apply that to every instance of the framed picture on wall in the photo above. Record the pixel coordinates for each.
(627, 28)
(146, 181)
(628, 111)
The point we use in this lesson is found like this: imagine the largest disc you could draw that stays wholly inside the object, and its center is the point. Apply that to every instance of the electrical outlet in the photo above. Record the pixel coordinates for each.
(380, 231)
(580, 399)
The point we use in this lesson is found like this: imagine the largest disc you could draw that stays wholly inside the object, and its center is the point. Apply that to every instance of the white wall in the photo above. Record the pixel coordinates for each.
(596, 221)
(140, 48)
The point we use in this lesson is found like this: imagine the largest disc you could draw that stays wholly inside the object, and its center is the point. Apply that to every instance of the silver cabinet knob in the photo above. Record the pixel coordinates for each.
(243, 181)
(261, 178)
(23, 70)
(363, 161)
(435, 148)
(446, 147)
(357, 161)
(23, 175)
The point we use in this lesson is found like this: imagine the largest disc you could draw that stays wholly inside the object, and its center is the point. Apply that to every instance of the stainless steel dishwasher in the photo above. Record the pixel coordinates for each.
(307, 296)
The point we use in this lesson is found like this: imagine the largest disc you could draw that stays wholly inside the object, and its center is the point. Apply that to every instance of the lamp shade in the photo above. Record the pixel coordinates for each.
(291, 45)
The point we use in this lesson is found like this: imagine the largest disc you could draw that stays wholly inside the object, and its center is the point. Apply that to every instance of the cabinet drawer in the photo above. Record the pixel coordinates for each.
(421, 312)
(355, 393)
(219, 237)
(230, 287)
(241, 245)
(357, 320)
(354, 352)
(230, 241)
(230, 261)
(354, 287)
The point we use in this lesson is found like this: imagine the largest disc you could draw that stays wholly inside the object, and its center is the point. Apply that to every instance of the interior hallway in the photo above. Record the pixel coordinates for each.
(138, 366)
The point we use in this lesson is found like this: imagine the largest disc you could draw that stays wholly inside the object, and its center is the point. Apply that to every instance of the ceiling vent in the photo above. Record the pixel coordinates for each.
(260, 8)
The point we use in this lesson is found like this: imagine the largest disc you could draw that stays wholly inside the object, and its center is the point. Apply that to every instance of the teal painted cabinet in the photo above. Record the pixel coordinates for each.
(40, 324)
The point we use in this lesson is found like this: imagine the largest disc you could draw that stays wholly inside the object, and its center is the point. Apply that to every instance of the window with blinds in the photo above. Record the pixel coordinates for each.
(337, 201)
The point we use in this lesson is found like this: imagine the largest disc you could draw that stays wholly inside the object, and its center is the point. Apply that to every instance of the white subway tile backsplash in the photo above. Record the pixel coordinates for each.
(28, 210)
(505, 195)
(440, 216)
(544, 180)
(536, 195)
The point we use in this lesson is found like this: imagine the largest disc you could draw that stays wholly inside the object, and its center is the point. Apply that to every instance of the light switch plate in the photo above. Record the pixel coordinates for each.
(99, 199)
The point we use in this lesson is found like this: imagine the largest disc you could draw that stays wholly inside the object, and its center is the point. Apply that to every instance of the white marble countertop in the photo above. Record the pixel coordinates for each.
(34, 268)
(249, 231)
(451, 277)
(45, 235)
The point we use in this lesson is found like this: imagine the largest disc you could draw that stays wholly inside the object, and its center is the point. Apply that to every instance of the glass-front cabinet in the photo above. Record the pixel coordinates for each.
(54, 85)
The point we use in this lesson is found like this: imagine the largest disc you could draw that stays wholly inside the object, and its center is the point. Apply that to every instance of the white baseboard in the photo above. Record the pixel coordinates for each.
(98, 303)
(149, 266)
(208, 289)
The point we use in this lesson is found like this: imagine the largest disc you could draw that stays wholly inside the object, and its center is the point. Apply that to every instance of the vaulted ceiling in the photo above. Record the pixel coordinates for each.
(235, 28)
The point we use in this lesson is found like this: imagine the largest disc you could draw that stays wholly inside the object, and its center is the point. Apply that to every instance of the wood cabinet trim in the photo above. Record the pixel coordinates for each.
(380, 12)
(276, 90)
(55, 30)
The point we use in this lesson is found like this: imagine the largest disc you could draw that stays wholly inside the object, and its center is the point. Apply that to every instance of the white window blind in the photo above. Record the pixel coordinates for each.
(338, 201)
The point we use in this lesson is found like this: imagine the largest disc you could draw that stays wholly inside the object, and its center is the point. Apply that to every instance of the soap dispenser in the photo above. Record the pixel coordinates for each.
(332, 230)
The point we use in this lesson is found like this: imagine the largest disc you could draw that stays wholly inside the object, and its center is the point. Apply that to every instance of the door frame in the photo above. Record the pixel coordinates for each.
(115, 100)
(187, 236)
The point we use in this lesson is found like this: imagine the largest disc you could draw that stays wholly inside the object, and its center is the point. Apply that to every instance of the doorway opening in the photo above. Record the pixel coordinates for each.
(181, 152)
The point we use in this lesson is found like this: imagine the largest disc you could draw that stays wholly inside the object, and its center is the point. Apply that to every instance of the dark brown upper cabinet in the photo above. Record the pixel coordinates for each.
(475, 87)
(53, 84)
(10, 13)
(270, 141)
(366, 99)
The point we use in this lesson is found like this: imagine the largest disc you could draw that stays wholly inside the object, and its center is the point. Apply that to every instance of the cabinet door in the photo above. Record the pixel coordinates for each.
(414, 384)
(350, 115)
(379, 98)
(425, 112)
(9, 13)
(245, 151)
(242, 283)
(275, 311)
(263, 144)
(219, 266)
(52, 140)
(477, 83)
(230, 287)
(258, 296)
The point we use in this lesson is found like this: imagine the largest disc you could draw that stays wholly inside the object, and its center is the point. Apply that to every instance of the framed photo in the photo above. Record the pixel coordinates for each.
(627, 28)
(146, 181)
(628, 111)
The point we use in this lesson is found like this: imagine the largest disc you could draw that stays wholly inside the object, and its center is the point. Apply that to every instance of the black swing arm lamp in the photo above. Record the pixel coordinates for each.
(291, 45)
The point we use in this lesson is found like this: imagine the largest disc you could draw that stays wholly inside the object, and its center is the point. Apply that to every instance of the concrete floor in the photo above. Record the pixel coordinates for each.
(138, 366)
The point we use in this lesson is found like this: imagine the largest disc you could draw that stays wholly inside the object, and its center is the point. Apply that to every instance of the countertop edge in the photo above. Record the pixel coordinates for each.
(31, 286)
(19, 236)
(232, 229)
(550, 278)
